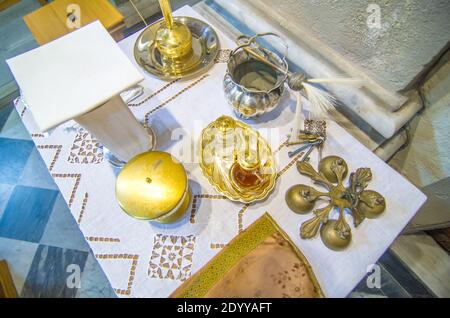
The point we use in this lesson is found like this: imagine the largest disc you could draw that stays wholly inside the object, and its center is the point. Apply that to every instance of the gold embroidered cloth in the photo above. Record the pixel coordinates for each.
(261, 262)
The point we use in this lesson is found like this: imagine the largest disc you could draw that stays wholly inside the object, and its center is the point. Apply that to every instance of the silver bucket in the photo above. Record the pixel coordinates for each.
(252, 87)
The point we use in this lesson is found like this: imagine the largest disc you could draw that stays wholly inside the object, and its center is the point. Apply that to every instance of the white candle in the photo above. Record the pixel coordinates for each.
(297, 118)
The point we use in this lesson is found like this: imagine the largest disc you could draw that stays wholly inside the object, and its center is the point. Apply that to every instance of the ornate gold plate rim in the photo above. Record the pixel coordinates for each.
(202, 33)
(257, 196)
(240, 246)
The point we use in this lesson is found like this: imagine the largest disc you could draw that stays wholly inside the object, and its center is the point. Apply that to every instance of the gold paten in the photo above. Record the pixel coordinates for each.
(226, 142)
(336, 234)
(159, 61)
(153, 186)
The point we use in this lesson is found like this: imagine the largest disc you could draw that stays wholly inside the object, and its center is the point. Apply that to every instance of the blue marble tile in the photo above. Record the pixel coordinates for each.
(50, 272)
(16, 12)
(19, 256)
(404, 277)
(14, 32)
(358, 294)
(14, 128)
(362, 290)
(36, 174)
(5, 193)
(94, 283)
(5, 111)
(390, 286)
(62, 229)
(14, 156)
(26, 214)
(15, 37)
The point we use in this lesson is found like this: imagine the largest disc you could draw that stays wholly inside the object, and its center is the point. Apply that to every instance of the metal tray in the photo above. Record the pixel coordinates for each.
(205, 45)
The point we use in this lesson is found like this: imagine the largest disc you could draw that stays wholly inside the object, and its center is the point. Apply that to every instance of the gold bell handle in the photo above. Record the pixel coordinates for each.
(167, 13)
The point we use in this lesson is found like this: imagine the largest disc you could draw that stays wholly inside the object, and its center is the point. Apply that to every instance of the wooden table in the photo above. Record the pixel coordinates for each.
(50, 22)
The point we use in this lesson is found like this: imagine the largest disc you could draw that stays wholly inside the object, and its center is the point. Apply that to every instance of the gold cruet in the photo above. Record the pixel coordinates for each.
(228, 145)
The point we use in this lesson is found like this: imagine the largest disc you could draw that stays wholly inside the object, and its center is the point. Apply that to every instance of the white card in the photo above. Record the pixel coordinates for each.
(73, 75)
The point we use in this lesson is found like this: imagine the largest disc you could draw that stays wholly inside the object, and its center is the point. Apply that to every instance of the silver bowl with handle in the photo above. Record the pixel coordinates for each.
(251, 86)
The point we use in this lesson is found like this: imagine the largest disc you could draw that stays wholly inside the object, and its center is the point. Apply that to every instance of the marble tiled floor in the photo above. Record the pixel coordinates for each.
(15, 38)
(38, 236)
(40, 239)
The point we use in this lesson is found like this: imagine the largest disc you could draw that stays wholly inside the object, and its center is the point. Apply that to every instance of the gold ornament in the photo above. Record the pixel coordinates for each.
(371, 203)
(361, 203)
(301, 198)
(325, 168)
(330, 237)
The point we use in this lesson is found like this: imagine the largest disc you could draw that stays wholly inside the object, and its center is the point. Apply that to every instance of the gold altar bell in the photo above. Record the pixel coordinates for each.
(176, 47)
(173, 38)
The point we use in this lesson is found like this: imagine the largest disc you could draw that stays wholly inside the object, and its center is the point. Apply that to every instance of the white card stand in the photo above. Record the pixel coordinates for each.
(80, 76)
(115, 126)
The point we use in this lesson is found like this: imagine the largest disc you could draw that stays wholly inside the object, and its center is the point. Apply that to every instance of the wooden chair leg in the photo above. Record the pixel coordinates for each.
(5, 4)
(7, 288)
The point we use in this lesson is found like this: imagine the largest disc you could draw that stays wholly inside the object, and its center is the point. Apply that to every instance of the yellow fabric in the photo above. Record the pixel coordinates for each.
(259, 262)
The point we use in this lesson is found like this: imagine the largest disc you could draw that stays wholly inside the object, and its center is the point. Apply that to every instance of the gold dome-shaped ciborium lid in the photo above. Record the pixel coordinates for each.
(153, 186)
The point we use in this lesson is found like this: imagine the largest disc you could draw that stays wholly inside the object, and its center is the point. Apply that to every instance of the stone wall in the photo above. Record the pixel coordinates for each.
(410, 34)
(426, 160)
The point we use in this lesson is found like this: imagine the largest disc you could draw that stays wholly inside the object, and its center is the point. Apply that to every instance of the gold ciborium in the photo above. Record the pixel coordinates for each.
(173, 39)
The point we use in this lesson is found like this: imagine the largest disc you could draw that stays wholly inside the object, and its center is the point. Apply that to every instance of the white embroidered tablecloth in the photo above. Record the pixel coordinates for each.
(137, 256)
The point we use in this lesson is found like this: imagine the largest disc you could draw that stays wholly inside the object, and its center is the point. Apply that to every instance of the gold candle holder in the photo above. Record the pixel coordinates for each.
(173, 39)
